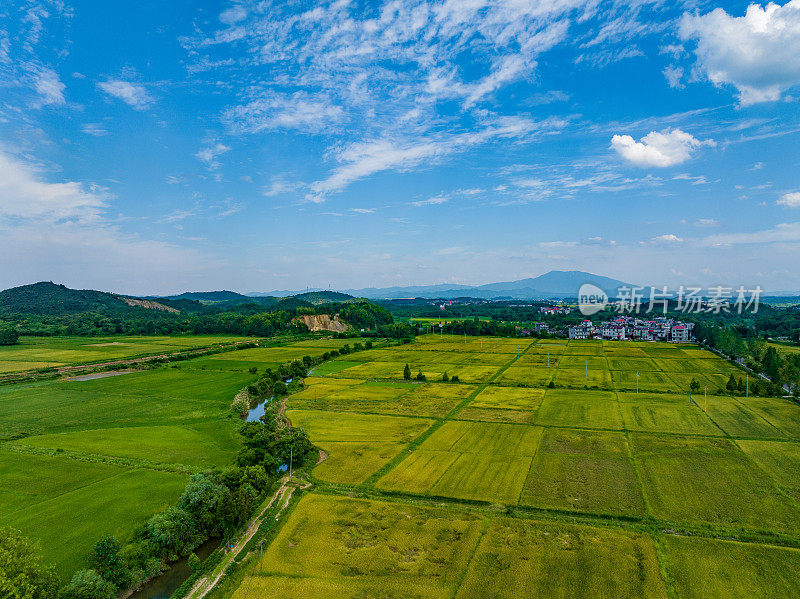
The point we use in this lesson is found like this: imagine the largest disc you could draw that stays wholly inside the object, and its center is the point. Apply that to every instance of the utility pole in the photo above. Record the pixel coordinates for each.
(548, 359)
(587, 369)
(637, 382)
(261, 548)
(291, 460)
(705, 399)
(747, 384)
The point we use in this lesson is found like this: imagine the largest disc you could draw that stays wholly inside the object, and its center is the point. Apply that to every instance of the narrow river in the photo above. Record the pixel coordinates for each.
(162, 587)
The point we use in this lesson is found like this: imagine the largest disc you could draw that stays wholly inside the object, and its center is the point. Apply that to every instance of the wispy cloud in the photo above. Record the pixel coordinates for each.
(362, 159)
(134, 95)
(95, 129)
(210, 153)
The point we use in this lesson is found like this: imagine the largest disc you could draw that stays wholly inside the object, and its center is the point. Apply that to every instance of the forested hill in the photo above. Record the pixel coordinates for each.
(47, 298)
(324, 297)
(50, 309)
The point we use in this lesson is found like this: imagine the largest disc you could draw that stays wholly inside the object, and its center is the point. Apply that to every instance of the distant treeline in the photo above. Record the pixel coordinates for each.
(244, 319)
(745, 344)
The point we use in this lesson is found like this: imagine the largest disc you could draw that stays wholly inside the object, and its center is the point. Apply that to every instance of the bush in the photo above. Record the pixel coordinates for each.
(421, 376)
(108, 562)
(8, 335)
(88, 584)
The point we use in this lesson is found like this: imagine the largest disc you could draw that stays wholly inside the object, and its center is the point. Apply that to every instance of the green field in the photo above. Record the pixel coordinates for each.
(84, 458)
(45, 352)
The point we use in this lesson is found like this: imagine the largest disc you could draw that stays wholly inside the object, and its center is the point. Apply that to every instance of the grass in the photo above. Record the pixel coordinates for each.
(683, 418)
(780, 460)
(162, 396)
(380, 397)
(530, 559)
(706, 481)
(370, 545)
(187, 445)
(40, 352)
(584, 471)
(728, 570)
(533, 376)
(67, 505)
(469, 460)
(357, 444)
(589, 409)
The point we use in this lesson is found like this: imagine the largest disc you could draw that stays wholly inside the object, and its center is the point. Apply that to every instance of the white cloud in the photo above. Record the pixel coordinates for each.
(133, 94)
(657, 149)
(362, 210)
(209, 155)
(362, 159)
(790, 200)
(299, 111)
(58, 231)
(781, 233)
(668, 238)
(277, 186)
(706, 222)
(233, 15)
(47, 85)
(756, 53)
(674, 75)
(94, 129)
(434, 201)
(24, 195)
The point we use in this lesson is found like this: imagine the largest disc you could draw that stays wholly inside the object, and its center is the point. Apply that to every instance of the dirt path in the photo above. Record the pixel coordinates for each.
(206, 585)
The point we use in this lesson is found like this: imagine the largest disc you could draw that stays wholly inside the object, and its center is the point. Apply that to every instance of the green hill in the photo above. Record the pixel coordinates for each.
(211, 296)
(47, 298)
(324, 297)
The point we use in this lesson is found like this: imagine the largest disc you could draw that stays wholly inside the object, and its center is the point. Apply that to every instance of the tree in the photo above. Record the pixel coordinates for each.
(407, 372)
(107, 561)
(173, 532)
(21, 571)
(420, 376)
(8, 335)
(731, 384)
(88, 584)
(694, 386)
(194, 562)
(445, 377)
(740, 385)
(454, 379)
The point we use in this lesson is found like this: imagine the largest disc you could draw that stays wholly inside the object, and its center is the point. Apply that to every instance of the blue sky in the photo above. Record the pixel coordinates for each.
(159, 147)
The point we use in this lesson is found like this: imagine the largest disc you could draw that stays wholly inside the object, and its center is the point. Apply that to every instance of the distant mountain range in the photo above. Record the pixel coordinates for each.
(554, 284)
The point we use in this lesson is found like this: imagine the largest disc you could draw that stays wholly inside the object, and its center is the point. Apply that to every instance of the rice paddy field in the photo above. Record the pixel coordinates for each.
(549, 469)
(84, 457)
(544, 471)
(51, 352)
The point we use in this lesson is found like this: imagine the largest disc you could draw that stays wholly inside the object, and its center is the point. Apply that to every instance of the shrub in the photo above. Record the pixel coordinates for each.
(88, 584)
